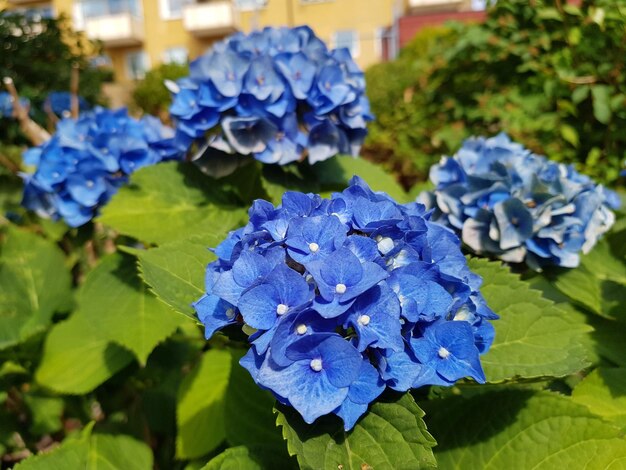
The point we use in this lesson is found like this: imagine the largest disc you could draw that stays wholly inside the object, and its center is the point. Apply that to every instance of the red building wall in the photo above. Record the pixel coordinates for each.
(408, 26)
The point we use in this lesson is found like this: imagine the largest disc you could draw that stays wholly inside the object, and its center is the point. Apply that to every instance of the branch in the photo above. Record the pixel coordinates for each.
(35, 133)
(585, 80)
(74, 104)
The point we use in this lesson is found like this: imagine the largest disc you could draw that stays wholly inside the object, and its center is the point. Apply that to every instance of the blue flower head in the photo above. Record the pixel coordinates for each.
(88, 159)
(277, 95)
(6, 105)
(346, 296)
(507, 202)
(60, 103)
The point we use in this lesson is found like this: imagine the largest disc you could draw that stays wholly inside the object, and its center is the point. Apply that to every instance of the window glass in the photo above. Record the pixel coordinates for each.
(175, 55)
(137, 64)
(250, 4)
(348, 39)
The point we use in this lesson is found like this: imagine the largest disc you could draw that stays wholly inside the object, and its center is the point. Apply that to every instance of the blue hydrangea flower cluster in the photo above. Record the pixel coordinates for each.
(6, 105)
(507, 202)
(60, 103)
(276, 94)
(346, 296)
(87, 160)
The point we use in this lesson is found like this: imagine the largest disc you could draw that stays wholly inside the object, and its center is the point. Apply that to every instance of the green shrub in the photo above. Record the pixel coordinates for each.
(38, 55)
(550, 75)
(150, 95)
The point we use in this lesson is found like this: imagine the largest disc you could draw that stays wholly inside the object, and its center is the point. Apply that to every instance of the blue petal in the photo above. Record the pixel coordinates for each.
(308, 391)
(350, 413)
(214, 313)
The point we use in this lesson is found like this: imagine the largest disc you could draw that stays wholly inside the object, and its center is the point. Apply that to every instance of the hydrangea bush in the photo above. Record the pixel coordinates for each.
(346, 296)
(87, 160)
(277, 94)
(505, 201)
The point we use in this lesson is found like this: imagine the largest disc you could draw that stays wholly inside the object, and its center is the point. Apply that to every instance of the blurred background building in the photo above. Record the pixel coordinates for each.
(140, 34)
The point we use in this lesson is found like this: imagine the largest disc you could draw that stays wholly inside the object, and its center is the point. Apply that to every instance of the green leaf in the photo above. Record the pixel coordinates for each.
(570, 134)
(76, 359)
(113, 307)
(250, 420)
(521, 429)
(8, 425)
(34, 284)
(278, 179)
(580, 93)
(11, 189)
(601, 102)
(175, 271)
(45, 413)
(93, 452)
(12, 368)
(200, 408)
(572, 10)
(336, 172)
(392, 435)
(53, 229)
(549, 14)
(534, 337)
(604, 393)
(120, 309)
(235, 458)
(608, 340)
(169, 202)
(598, 284)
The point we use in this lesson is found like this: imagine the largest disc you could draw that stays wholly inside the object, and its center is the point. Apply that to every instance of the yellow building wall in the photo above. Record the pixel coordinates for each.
(366, 17)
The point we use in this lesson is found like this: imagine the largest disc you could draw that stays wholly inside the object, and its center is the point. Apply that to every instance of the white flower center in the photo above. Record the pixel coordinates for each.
(55, 174)
(89, 184)
(443, 353)
(314, 247)
(281, 309)
(230, 313)
(385, 244)
(462, 314)
(364, 320)
(301, 329)
(402, 299)
(316, 364)
(340, 288)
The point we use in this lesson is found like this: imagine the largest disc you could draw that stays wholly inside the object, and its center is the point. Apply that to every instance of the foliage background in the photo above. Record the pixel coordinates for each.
(548, 73)
(102, 363)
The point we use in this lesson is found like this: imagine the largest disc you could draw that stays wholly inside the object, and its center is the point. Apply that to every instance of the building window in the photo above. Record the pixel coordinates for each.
(172, 9)
(249, 5)
(36, 13)
(175, 55)
(479, 5)
(348, 39)
(78, 17)
(98, 8)
(101, 61)
(137, 64)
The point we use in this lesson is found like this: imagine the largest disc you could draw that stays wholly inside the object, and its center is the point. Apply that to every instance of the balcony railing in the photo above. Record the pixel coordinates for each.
(212, 18)
(117, 23)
